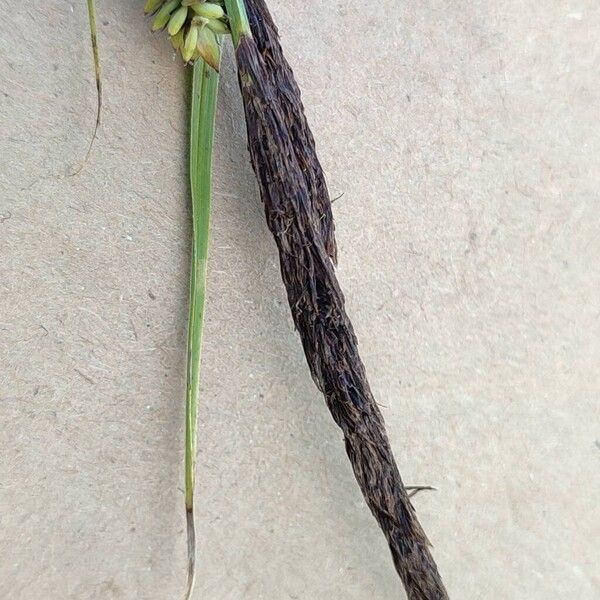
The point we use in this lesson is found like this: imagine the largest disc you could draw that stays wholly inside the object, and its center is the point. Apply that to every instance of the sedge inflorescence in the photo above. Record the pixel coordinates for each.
(194, 26)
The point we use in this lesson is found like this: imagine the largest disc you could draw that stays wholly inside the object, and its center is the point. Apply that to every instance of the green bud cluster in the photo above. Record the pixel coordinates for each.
(194, 26)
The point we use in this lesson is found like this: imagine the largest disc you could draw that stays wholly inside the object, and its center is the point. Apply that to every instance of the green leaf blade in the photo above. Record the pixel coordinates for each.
(202, 122)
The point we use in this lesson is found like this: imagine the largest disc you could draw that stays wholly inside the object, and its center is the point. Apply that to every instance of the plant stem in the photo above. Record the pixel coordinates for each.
(98, 73)
(238, 20)
(91, 8)
(202, 121)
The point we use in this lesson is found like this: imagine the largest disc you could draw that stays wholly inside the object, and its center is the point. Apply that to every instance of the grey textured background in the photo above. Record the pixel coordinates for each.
(465, 139)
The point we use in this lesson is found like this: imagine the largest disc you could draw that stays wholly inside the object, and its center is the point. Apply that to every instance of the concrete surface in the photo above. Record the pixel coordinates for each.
(464, 137)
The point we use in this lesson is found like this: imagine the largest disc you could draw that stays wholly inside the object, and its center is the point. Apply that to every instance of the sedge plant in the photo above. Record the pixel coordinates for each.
(298, 212)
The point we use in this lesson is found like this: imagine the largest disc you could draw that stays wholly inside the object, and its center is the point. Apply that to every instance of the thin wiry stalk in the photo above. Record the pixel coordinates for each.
(91, 7)
(202, 120)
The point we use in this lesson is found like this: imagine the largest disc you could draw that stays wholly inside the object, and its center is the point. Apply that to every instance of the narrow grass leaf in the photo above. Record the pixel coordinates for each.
(202, 121)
